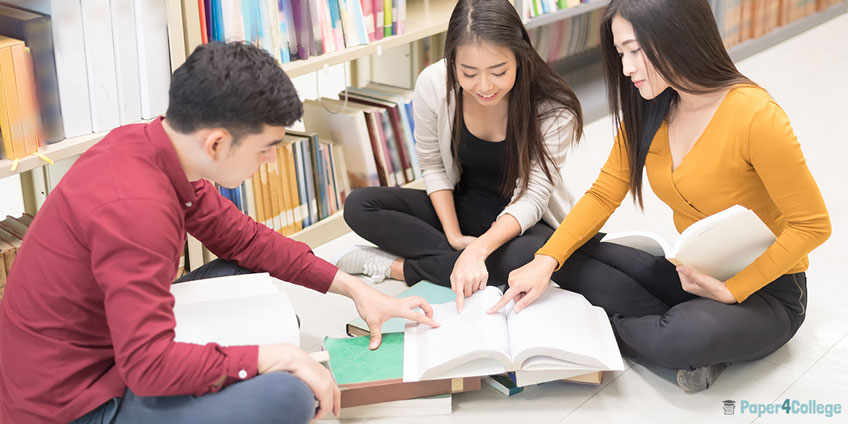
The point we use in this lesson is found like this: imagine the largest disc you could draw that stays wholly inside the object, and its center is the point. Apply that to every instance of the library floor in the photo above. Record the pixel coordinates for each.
(806, 75)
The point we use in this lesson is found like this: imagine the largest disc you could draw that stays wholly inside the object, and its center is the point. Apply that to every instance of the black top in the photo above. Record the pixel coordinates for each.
(482, 163)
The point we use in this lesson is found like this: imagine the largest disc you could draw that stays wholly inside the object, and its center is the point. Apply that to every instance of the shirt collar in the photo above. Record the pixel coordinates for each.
(169, 161)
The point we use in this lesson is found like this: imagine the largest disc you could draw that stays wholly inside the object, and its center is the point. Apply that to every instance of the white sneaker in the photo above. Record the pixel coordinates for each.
(366, 260)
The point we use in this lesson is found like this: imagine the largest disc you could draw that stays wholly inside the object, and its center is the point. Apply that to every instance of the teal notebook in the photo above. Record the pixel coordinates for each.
(352, 362)
(433, 293)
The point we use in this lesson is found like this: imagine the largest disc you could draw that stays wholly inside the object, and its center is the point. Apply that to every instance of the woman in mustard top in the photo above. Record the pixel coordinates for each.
(709, 139)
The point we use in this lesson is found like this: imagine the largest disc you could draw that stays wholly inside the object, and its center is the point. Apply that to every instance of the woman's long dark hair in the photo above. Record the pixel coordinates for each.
(498, 23)
(681, 40)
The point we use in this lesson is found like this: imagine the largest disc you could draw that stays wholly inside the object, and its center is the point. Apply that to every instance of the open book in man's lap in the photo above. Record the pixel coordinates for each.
(560, 331)
(719, 245)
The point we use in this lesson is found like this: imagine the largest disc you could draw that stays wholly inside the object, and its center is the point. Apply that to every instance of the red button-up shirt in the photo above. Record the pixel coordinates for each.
(87, 310)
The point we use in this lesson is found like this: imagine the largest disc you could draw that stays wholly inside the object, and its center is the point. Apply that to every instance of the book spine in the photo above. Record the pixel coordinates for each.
(176, 40)
(154, 65)
(100, 63)
(377, 10)
(26, 98)
(126, 61)
(71, 71)
(39, 38)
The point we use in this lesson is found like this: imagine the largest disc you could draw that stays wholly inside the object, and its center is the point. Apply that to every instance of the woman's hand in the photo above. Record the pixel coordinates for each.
(527, 283)
(460, 242)
(703, 285)
(469, 274)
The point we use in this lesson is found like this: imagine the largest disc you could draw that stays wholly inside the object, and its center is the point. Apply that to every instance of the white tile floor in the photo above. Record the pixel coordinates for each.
(806, 77)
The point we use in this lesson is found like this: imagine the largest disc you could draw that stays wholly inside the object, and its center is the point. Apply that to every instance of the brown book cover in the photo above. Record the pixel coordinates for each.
(398, 145)
(396, 389)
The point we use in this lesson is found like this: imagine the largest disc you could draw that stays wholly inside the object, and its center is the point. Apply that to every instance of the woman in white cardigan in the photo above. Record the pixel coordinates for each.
(494, 188)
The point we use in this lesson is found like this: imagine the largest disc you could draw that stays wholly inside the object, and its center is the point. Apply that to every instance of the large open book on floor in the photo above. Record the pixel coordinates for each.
(560, 331)
(237, 310)
(719, 245)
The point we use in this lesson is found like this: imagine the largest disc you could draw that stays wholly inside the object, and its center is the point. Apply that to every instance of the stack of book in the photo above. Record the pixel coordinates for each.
(381, 378)
(375, 126)
(742, 20)
(12, 232)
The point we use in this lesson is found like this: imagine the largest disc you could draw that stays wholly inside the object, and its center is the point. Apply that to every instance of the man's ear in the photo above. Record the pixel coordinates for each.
(216, 143)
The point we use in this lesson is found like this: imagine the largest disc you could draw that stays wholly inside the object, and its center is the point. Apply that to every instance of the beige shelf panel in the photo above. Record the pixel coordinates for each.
(423, 19)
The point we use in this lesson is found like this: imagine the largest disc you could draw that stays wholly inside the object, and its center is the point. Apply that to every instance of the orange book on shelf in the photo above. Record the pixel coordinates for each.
(14, 146)
(25, 79)
(283, 192)
(291, 179)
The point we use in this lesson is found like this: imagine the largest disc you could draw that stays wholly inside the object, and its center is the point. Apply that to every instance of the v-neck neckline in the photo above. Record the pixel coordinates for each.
(707, 128)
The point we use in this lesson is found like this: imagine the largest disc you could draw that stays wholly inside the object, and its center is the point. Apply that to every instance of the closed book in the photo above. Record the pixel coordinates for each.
(368, 18)
(398, 143)
(316, 16)
(126, 61)
(300, 14)
(377, 10)
(27, 102)
(192, 32)
(176, 33)
(11, 122)
(291, 179)
(336, 22)
(372, 376)
(151, 20)
(71, 71)
(35, 29)
(300, 181)
(305, 159)
(100, 64)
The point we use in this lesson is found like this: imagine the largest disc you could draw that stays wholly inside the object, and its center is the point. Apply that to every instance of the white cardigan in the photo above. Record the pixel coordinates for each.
(433, 122)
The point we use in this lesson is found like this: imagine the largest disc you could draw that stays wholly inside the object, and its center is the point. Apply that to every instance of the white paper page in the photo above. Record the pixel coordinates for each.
(254, 320)
(723, 244)
(231, 286)
(465, 334)
(564, 324)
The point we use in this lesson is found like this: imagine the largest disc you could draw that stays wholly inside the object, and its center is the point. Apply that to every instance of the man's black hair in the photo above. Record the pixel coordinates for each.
(236, 86)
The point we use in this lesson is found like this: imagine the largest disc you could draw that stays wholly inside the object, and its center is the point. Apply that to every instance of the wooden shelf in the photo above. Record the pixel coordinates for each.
(334, 226)
(423, 19)
(561, 14)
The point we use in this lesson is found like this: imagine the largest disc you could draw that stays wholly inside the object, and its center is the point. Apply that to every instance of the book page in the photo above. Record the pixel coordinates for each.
(463, 338)
(565, 331)
(723, 244)
(642, 240)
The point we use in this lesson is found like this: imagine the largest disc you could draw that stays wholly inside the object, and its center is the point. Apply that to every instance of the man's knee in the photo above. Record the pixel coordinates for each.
(287, 398)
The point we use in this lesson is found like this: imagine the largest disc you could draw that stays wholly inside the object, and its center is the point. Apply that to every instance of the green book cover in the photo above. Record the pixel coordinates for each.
(433, 293)
(352, 362)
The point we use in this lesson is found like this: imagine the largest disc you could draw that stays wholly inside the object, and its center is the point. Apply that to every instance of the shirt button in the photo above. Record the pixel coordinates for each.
(188, 204)
(242, 374)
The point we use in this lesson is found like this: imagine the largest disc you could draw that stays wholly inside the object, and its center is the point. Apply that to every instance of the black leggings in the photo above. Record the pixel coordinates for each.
(655, 319)
(403, 222)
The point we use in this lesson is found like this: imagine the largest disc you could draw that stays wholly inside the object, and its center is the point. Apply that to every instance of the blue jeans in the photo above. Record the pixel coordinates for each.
(277, 397)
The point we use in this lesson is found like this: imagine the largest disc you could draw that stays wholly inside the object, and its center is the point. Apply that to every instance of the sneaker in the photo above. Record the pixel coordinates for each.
(366, 260)
(699, 379)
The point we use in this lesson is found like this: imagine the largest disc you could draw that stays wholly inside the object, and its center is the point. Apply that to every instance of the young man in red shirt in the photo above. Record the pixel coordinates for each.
(87, 323)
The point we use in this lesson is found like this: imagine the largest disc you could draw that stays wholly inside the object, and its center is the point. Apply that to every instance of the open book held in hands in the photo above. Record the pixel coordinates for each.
(560, 331)
(719, 245)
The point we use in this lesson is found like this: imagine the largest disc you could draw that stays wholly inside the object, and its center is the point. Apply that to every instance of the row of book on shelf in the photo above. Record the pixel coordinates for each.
(104, 63)
(567, 37)
(296, 29)
(742, 20)
(533, 8)
(12, 232)
(363, 141)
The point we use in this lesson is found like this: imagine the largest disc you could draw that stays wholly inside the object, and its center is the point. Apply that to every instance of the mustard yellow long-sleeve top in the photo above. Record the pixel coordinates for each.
(747, 155)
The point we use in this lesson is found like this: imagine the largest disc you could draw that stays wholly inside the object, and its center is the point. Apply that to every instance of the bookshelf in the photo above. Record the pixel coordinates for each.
(561, 14)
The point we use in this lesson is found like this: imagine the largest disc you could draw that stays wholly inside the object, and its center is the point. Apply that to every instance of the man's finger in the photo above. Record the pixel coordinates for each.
(376, 335)
(413, 302)
(460, 297)
(503, 300)
(420, 318)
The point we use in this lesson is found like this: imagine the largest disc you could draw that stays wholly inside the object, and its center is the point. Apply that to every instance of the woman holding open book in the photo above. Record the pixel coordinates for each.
(709, 139)
(492, 126)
